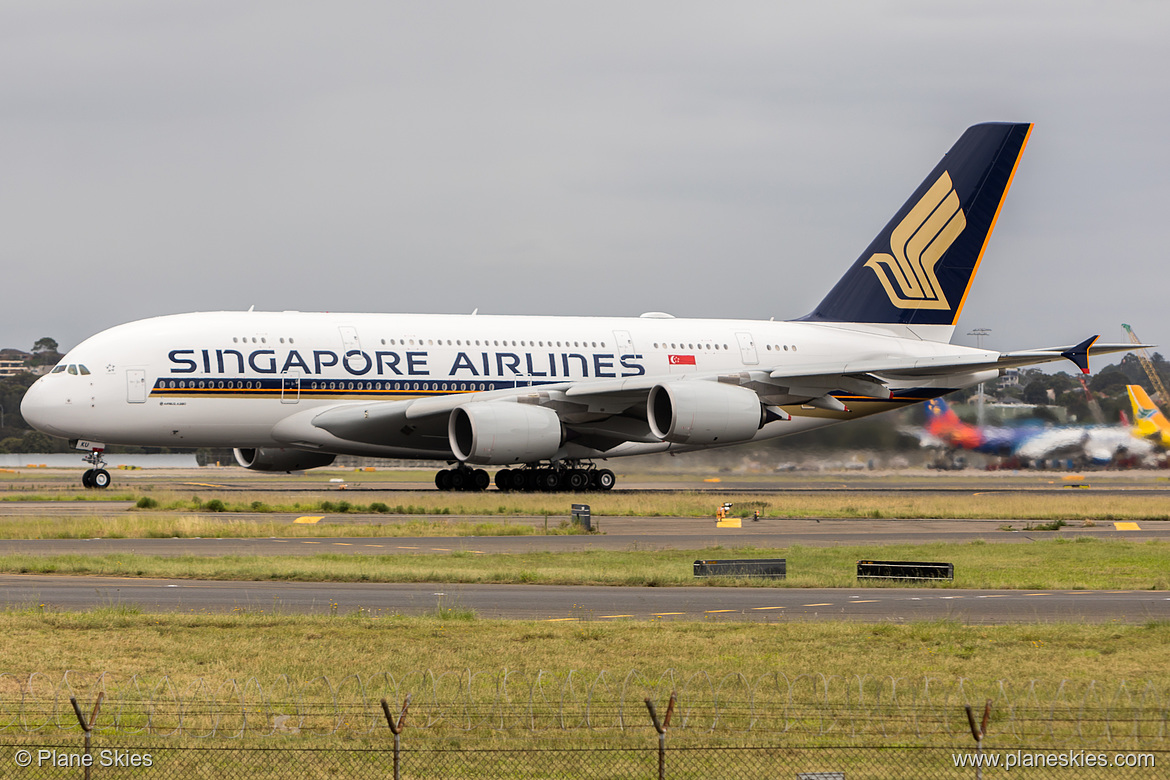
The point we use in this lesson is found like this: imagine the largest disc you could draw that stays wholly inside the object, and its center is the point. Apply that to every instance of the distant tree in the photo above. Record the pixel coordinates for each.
(45, 352)
(45, 344)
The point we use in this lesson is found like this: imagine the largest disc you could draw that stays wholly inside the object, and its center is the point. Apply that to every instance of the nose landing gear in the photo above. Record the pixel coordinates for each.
(97, 477)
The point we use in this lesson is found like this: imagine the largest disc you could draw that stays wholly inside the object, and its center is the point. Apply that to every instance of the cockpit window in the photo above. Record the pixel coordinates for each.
(83, 370)
(73, 369)
(57, 369)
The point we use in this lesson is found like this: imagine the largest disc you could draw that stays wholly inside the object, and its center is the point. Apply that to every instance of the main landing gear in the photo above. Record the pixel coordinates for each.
(529, 479)
(97, 477)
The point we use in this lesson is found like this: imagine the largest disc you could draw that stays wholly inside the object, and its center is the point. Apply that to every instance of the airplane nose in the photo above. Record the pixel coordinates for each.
(37, 407)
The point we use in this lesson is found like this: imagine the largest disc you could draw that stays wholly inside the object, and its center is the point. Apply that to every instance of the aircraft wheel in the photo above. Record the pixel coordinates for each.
(578, 480)
(87, 479)
(547, 480)
(443, 480)
(458, 479)
(605, 479)
(480, 480)
(504, 480)
(101, 479)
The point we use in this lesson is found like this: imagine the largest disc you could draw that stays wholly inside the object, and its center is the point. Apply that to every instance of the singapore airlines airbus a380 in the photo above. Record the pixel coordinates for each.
(545, 396)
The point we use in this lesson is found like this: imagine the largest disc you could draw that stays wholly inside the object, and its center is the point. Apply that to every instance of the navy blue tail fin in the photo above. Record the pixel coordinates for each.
(919, 269)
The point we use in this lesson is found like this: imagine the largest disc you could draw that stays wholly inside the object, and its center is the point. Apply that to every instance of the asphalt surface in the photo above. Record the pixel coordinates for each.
(568, 603)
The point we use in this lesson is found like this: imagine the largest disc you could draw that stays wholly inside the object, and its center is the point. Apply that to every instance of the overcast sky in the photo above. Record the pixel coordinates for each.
(723, 159)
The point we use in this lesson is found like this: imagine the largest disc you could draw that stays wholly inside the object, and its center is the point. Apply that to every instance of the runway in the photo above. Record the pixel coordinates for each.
(560, 603)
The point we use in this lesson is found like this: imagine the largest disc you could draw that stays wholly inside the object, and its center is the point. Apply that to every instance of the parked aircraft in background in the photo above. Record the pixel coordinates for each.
(1098, 445)
(1148, 420)
(544, 397)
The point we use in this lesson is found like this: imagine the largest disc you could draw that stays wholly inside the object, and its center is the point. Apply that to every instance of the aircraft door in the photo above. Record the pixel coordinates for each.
(290, 387)
(135, 386)
(349, 338)
(625, 344)
(747, 348)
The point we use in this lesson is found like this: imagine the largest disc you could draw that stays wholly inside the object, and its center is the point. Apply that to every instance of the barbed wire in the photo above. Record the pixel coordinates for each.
(508, 699)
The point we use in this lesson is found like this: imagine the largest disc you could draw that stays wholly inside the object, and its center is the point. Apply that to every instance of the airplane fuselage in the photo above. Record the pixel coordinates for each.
(228, 379)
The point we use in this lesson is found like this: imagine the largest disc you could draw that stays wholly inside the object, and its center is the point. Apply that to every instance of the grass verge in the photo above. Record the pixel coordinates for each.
(1080, 564)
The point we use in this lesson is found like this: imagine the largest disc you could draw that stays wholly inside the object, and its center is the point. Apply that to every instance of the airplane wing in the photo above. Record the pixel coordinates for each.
(602, 414)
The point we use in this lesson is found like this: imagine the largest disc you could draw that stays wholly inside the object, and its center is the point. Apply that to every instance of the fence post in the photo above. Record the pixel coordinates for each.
(87, 727)
(396, 729)
(979, 732)
(661, 727)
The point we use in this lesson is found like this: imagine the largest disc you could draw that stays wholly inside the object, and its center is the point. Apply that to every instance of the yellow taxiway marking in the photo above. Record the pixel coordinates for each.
(310, 543)
(1038, 594)
(441, 549)
(204, 484)
(1127, 526)
(865, 601)
(713, 611)
(558, 620)
(1079, 592)
(309, 519)
(817, 605)
(663, 614)
(993, 596)
(373, 545)
(344, 544)
(407, 548)
(614, 616)
(768, 607)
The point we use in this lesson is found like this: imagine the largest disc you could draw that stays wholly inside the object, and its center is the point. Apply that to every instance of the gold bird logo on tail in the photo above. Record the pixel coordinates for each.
(916, 244)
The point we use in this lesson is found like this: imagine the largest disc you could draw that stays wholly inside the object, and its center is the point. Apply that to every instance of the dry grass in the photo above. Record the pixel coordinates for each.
(1083, 564)
(1022, 504)
(138, 525)
(186, 646)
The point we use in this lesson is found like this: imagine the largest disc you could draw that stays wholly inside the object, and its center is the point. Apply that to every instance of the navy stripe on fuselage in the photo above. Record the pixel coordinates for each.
(309, 389)
(325, 388)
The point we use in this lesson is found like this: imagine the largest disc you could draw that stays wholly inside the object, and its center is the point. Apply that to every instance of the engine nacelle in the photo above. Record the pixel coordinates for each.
(281, 459)
(703, 413)
(504, 433)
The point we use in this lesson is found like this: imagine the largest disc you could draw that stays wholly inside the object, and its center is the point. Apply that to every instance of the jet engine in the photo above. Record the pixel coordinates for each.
(281, 459)
(703, 413)
(504, 433)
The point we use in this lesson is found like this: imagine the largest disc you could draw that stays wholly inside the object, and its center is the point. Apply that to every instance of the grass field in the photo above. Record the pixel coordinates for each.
(853, 676)
(1080, 564)
(186, 646)
(996, 504)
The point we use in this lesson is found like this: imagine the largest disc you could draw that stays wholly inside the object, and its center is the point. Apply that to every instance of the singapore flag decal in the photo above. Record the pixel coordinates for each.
(682, 360)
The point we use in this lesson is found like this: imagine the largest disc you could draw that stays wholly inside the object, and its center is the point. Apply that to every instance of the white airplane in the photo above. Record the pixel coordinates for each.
(544, 397)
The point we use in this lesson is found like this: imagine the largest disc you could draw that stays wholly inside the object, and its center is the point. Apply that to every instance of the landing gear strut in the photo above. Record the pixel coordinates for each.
(97, 477)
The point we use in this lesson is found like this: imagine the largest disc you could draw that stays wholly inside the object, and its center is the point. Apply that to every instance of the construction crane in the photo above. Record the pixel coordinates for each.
(1091, 400)
(1147, 364)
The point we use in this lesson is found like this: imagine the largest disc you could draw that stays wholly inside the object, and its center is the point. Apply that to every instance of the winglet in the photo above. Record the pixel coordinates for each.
(1079, 354)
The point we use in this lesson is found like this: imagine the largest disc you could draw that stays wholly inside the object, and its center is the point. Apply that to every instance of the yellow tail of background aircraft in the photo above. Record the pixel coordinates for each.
(1148, 420)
